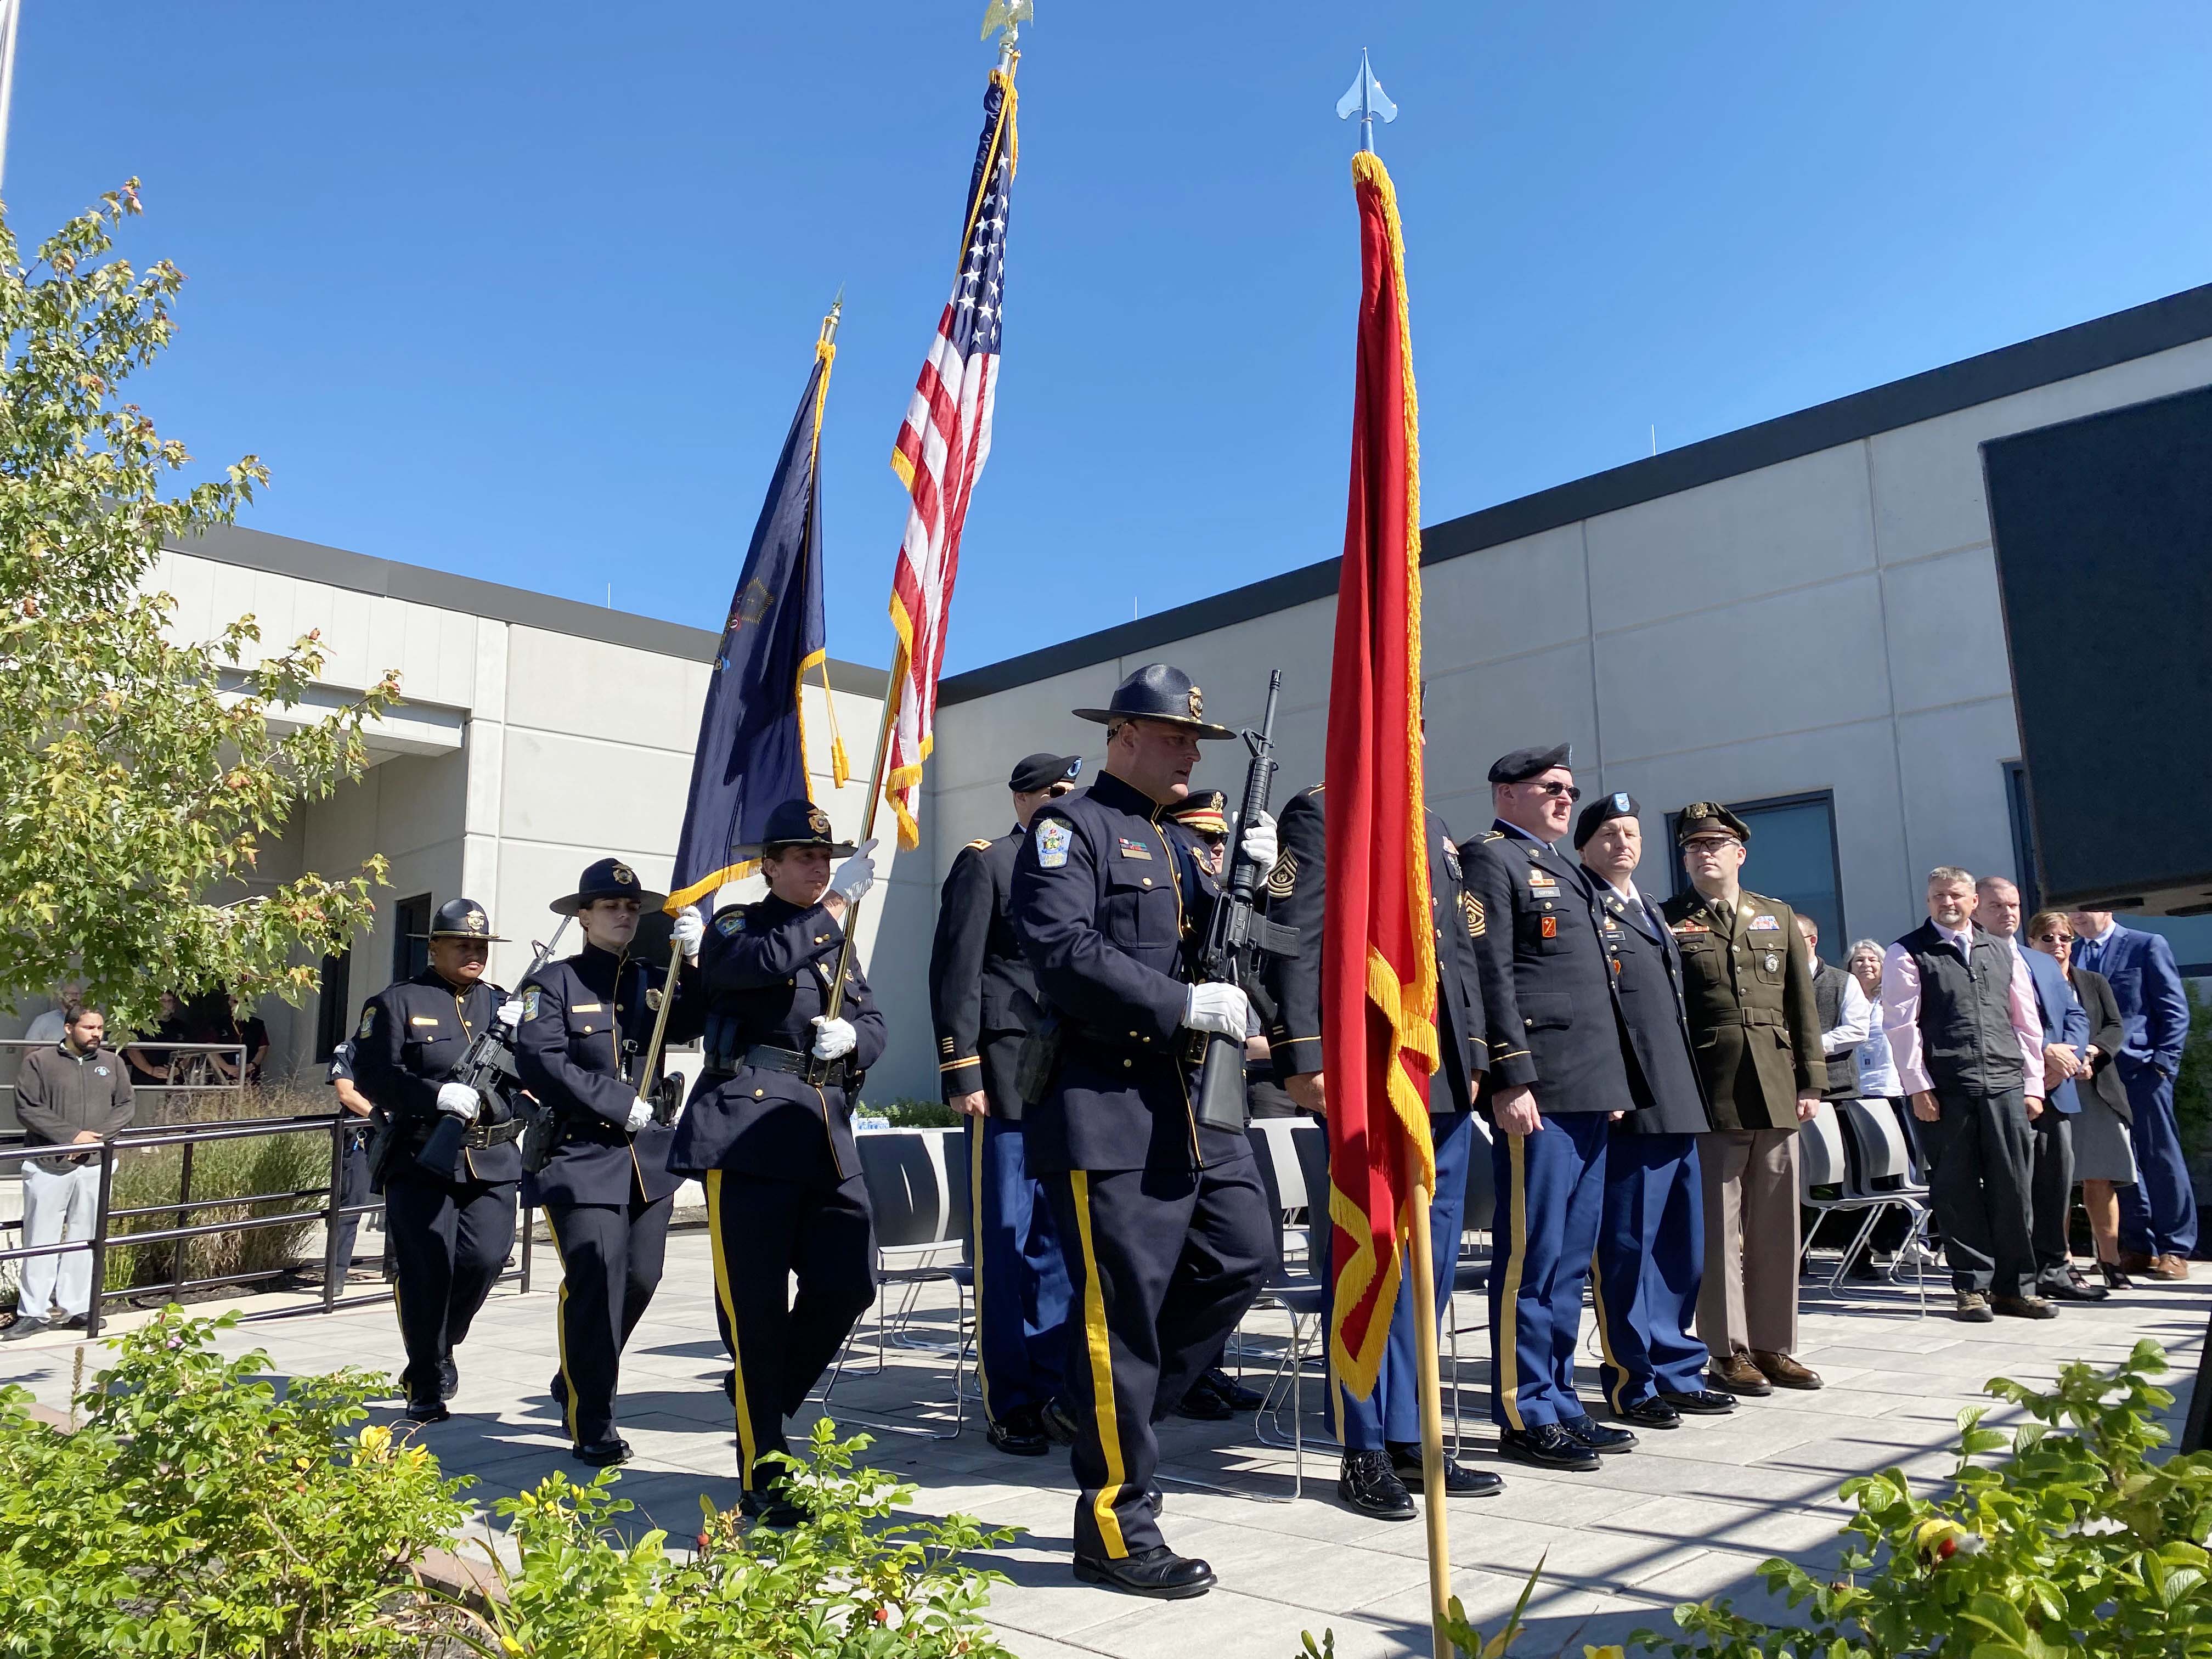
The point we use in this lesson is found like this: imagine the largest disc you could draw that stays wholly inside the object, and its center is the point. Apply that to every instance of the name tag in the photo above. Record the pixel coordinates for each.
(1134, 849)
(1764, 923)
(584, 1007)
(423, 1019)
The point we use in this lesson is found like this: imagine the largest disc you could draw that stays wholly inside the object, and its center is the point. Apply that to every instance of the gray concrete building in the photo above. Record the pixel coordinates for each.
(1799, 618)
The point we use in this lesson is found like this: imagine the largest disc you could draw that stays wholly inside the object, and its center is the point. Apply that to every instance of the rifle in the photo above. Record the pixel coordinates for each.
(487, 1067)
(1238, 934)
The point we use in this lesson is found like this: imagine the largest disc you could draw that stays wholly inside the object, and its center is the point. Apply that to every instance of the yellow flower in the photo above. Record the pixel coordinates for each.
(1610, 1650)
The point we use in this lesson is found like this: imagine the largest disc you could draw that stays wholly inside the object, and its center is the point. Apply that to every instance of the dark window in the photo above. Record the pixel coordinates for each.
(1791, 857)
(410, 942)
(336, 1002)
(2023, 838)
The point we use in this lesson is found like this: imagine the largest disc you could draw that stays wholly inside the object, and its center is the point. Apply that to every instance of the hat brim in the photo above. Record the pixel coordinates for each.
(479, 939)
(838, 849)
(569, 905)
(1196, 728)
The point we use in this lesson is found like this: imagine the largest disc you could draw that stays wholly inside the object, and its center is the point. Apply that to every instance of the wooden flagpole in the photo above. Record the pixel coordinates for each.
(1429, 1375)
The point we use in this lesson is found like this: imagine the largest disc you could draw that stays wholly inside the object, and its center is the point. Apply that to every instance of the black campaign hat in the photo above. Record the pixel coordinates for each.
(1158, 692)
(1601, 811)
(1042, 771)
(796, 822)
(608, 878)
(463, 918)
(1523, 764)
(1703, 815)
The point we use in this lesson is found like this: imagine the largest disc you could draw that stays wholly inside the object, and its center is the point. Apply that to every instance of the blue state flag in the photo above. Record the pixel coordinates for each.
(752, 743)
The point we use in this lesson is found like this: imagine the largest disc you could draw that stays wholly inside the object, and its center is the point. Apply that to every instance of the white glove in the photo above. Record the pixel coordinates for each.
(1258, 842)
(691, 928)
(509, 1014)
(457, 1100)
(641, 1114)
(834, 1038)
(1224, 1009)
(856, 874)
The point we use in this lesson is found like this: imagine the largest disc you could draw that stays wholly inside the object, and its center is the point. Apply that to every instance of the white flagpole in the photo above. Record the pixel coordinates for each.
(10, 10)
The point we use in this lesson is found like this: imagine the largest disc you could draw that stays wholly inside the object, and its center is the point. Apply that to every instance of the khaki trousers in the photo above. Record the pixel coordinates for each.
(1749, 1298)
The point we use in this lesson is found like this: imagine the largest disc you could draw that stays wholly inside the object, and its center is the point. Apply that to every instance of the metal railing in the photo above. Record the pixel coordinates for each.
(187, 1067)
(339, 1127)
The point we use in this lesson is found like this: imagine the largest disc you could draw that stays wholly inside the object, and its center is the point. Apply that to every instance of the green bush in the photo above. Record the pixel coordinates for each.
(2192, 1086)
(196, 1512)
(852, 1582)
(918, 1115)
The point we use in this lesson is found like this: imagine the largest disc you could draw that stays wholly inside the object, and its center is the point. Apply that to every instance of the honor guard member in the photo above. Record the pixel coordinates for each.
(769, 1132)
(605, 1185)
(1756, 1029)
(1166, 1227)
(1382, 1434)
(1559, 1076)
(1651, 1238)
(982, 999)
(353, 1173)
(450, 1229)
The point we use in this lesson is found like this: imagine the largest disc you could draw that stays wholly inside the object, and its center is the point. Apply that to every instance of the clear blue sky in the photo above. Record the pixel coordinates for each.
(525, 291)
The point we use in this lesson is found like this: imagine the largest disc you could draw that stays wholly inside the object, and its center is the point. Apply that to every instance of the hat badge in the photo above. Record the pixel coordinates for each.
(818, 822)
(474, 921)
(622, 876)
(1620, 802)
(1197, 703)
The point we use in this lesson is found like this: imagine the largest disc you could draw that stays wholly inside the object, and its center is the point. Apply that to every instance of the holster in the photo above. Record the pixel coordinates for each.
(1038, 1059)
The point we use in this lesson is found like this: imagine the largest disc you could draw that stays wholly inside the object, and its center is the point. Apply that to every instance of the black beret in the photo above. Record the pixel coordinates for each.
(463, 918)
(1158, 692)
(1042, 771)
(608, 878)
(1602, 810)
(1701, 816)
(1523, 764)
(796, 822)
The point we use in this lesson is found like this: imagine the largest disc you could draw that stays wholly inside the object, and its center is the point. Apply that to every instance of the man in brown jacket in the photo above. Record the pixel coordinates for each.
(1749, 983)
(74, 1094)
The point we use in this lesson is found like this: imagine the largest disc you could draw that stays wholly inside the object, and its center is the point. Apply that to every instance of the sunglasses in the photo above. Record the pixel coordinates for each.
(1554, 788)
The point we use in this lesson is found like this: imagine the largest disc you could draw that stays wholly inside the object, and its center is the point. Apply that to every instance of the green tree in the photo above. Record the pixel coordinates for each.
(139, 775)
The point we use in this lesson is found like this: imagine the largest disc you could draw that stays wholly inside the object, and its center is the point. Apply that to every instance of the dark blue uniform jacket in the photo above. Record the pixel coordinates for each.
(585, 1023)
(982, 994)
(765, 971)
(1104, 899)
(412, 1033)
(1548, 982)
(1665, 1077)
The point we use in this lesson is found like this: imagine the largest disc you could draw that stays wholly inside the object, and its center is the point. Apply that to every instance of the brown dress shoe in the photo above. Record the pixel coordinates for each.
(1783, 1371)
(2135, 1261)
(2168, 1269)
(1737, 1375)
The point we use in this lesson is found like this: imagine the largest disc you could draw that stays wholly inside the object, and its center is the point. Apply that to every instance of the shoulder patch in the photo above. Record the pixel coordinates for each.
(1476, 923)
(367, 1022)
(1282, 879)
(530, 999)
(979, 846)
(1053, 840)
(730, 922)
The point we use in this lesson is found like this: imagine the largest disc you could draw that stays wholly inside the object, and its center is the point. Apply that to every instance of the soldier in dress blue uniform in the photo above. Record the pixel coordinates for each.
(606, 1186)
(1560, 1062)
(1651, 1240)
(450, 1230)
(982, 997)
(770, 1131)
(1165, 1223)
(1382, 1434)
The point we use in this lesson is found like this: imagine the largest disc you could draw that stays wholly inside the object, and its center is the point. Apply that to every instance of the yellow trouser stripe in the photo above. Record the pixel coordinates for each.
(745, 1443)
(561, 1331)
(1102, 1374)
(1605, 1334)
(975, 1210)
(1509, 1301)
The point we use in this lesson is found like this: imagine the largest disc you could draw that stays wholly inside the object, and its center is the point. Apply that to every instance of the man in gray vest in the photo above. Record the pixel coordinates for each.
(1959, 1010)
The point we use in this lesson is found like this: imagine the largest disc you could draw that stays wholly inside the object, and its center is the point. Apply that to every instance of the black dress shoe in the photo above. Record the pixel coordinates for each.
(1367, 1484)
(1018, 1434)
(1653, 1413)
(1459, 1480)
(1158, 1572)
(1598, 1437)
(1238, 1397)
(1548, 1446)
(1058, 1423)
(449, 1379)
(1201, 1403)
(1700, 1402)
(2069, 1285)
(74, 1323)
(427, 1410)
(600, 1454)
(770, 1508)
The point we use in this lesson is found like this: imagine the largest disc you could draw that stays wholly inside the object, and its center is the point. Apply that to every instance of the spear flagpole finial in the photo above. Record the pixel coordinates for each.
(1368, 102)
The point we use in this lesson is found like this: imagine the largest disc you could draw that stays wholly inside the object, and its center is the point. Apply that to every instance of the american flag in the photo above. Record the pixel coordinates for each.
(941, 450)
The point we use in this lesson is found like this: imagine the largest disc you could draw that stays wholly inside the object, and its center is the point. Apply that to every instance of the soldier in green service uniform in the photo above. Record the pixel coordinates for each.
(1748, 985)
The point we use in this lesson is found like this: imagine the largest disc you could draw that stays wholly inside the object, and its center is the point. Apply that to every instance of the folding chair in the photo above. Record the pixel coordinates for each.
(1280, 1150)
(918, 1188)
(1823, 1163)
(1885, 1155)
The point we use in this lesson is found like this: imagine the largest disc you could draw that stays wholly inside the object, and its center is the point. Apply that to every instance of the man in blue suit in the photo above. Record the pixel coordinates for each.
(2065, 1037)
(2158, 1214)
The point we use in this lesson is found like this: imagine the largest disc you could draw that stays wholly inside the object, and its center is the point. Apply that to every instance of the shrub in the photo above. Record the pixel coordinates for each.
(197, 1511)
(919, 1115)
(852, 1582)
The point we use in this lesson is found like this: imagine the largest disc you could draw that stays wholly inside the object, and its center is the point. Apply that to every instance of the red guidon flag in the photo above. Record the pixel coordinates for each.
(1378, 972)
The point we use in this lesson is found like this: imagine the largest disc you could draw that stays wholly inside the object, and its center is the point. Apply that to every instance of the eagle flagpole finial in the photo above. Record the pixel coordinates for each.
(1008, 14)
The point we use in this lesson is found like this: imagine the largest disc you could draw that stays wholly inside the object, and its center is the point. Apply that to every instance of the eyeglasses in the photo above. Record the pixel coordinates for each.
(1711, 844)
(1554, 788)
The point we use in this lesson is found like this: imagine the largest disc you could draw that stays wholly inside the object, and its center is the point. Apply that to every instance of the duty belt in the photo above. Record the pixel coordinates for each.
(822, 1074)
(494, 1134)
